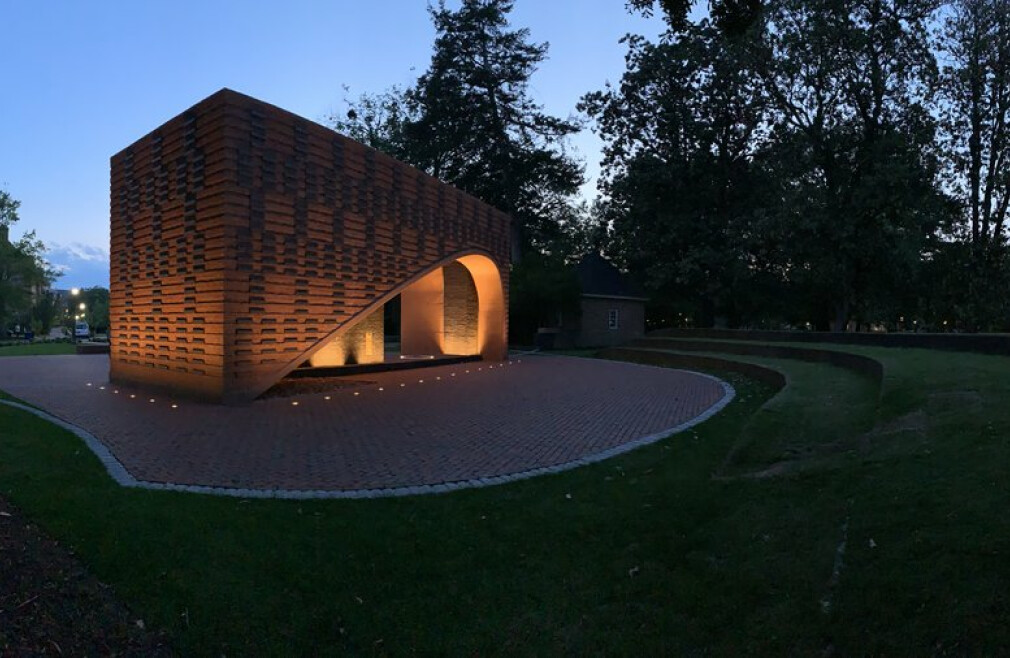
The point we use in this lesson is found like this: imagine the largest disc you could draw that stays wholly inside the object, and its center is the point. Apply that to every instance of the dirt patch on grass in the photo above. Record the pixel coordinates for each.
(913, 424)
(915, 421)
(50, 605)
(958, 400)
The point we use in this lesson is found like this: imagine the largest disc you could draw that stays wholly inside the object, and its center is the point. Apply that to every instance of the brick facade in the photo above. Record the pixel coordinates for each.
(592, 328)
(246, 239)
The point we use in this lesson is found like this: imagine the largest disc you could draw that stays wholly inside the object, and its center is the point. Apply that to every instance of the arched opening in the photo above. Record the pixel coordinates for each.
(492, 332)
(456, 308)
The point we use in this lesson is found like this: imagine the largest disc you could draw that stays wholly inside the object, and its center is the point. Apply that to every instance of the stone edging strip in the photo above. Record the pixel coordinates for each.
(124, 478)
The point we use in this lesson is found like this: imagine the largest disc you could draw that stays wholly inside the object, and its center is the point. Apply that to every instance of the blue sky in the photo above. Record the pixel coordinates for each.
(82, 80)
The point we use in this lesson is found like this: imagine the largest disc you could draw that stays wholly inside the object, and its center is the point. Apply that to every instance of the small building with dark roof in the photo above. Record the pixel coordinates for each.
(613, 307)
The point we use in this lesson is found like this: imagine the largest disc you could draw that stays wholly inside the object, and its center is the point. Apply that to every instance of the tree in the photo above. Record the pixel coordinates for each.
(469, 120)
(43, 313)
(378, 120)
(776, 159)
(679, 133)
(96, 308)
(24, 272)
(675, 11)
(847, 81)
(734, 18)
(974, 106)
(477, 126)
(974, 103)
(543, 289)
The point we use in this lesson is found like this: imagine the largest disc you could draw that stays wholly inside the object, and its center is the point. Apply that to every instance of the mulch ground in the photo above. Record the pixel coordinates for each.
(51, 606)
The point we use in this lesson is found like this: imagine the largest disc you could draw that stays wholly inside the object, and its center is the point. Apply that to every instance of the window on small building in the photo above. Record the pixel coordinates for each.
(613, 318)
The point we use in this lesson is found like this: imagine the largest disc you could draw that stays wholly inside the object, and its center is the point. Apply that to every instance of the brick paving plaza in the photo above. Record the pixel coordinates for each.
(386, 430)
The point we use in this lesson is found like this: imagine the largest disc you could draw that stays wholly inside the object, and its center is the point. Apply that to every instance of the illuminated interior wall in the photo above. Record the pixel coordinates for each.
(422, 311)
(246, 239)
(362, 343)
(461, 305)
(491, 282)
(440, 313)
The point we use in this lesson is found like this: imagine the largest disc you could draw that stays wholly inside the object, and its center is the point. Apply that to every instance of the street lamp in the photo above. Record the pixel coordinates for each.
(75, 291)
(81, 306)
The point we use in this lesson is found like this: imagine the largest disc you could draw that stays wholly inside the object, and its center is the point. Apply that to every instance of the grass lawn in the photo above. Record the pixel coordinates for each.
(646, 553)
(32, 349)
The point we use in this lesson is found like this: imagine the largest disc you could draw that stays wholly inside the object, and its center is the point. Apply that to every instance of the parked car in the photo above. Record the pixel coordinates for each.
(82, 331)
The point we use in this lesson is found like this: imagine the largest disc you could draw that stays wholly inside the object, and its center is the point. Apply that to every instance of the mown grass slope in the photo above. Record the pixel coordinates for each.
(677, 547)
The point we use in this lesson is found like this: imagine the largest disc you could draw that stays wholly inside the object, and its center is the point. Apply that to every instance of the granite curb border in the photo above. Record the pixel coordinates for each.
(118, 472)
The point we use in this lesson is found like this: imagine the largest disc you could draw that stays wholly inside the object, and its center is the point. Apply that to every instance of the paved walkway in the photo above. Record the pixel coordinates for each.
(387, 431)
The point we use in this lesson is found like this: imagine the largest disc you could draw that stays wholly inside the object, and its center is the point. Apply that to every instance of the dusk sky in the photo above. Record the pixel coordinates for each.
(84, 80)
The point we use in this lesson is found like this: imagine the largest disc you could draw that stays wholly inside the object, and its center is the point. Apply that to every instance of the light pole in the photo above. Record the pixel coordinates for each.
(74, 292)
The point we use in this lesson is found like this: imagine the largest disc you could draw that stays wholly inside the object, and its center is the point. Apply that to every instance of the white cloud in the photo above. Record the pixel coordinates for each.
(80, 265)
(79, 251)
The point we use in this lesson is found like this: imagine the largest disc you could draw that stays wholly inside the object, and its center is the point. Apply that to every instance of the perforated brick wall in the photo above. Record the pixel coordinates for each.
(245, 237)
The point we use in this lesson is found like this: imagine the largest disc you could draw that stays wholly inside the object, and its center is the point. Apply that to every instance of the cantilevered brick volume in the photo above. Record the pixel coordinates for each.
(247, 240)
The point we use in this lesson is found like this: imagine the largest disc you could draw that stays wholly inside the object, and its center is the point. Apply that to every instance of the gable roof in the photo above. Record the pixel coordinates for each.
(599, 278)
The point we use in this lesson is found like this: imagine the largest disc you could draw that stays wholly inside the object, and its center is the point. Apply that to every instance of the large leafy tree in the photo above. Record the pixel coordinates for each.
(776, 158)
(679, 133)
(378, 119)
(973, 104)
(733, 17)
(847, 80)
(24, 272)
(470, 120)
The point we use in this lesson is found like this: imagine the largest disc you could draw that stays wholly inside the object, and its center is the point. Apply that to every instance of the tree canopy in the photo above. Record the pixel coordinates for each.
(774, 163)
(788, 162)
(469, 120)
(25, 276)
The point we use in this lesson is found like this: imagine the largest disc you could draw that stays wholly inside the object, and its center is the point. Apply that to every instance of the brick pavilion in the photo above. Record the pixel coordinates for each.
(247, 241)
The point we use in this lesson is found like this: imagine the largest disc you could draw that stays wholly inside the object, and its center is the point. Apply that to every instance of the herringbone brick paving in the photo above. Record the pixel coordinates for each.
(463, 422)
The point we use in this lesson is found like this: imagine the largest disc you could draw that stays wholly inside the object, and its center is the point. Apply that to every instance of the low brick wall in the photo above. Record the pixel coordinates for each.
(92, 348)
(981, 343)
(769, 376)
(857, 363)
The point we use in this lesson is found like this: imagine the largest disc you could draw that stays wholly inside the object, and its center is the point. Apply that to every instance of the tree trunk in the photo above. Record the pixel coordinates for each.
(841, 317)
